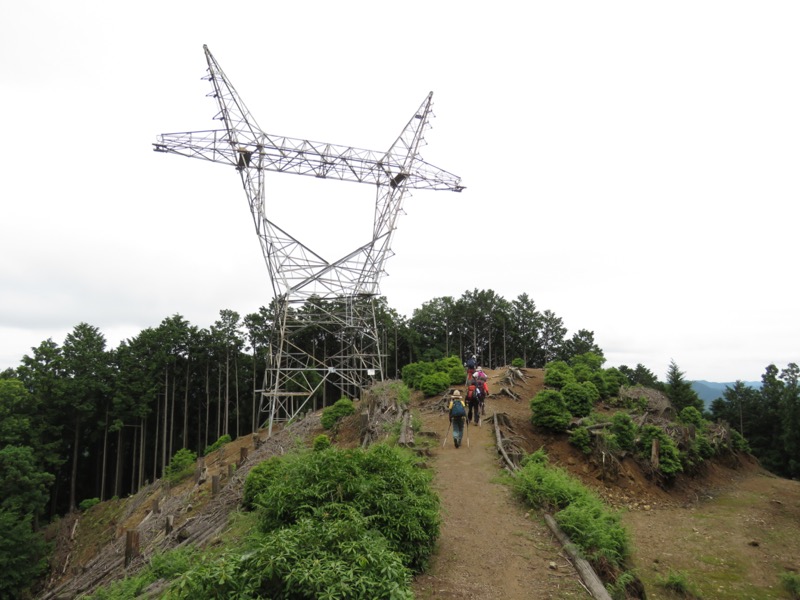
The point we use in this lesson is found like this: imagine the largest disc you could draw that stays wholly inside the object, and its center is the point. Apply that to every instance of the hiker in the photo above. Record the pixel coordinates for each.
(470, 364)
(475, 395)
(479, 374)
(458, 414)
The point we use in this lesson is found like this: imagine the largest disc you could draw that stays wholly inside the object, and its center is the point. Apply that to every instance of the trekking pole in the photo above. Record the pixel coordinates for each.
(467, 434)
(447, 433)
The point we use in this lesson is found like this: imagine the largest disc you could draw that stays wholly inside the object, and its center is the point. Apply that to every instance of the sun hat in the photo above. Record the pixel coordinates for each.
(456, 394)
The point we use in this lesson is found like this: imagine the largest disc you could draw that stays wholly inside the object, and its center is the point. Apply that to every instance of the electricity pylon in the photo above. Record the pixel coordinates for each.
(337, 299)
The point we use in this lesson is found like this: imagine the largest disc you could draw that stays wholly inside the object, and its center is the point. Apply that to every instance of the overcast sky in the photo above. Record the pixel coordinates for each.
(633, 166)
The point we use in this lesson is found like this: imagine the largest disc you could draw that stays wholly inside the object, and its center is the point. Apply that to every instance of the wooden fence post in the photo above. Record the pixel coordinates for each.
(131, 546)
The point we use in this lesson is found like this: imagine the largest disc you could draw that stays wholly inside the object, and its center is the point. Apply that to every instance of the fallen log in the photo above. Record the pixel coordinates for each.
(512, 466)
(584, 569)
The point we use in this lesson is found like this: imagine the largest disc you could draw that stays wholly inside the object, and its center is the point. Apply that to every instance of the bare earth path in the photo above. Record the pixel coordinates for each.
(489, 546)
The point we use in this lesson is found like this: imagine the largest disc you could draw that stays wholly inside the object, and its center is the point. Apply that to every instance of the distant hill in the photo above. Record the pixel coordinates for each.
(711, 390)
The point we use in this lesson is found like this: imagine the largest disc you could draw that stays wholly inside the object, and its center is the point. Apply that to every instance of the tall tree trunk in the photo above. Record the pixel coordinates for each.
(171, 451)
(186, 406)
(226, 429)
(219, 403)
(74, 476)
(143, 439)
(155, 439)
(164, 427)
(105, 450)
(236, 388)
(208, 407)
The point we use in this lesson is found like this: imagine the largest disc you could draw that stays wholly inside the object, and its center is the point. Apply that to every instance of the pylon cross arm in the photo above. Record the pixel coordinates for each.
(304, 157)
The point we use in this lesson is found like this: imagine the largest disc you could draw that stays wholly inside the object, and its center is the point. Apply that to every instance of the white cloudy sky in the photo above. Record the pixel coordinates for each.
(633, 165)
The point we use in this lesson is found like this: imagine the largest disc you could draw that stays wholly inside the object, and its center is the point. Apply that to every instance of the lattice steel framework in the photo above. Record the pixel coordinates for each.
(336, 297)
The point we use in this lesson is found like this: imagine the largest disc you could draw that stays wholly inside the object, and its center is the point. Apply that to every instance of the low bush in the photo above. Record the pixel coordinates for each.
(225, 439)
(518, 363)
(624, 429)
(334, 552)
(181, 465)
(581, 438)
(435, 383)
(550, 411)
(791, 583)
(321, 442)
(88, 503)
(341, 408)
(557, 374)
(669, 459)
(383, 483)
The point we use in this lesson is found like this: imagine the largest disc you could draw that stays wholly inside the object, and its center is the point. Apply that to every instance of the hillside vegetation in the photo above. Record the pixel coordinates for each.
(714, 526)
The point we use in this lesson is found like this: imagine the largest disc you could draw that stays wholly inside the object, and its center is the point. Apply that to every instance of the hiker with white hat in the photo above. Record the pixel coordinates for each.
(458, 414)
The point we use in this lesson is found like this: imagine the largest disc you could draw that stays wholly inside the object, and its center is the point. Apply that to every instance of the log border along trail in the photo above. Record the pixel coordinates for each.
(490, 546)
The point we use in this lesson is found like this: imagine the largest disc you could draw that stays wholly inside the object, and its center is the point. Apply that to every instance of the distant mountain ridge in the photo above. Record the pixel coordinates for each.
(708, 391)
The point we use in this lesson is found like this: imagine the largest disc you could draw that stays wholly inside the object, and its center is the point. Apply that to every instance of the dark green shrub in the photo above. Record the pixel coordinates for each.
(23, 554)
(691, 416)
(383, 483)
(341, 408)
(624, 429)
(550, 410)
(181, 465)
(580, 397)
(413, 373)
(557, 374)
(88, 503)
(676, 581)
(334, 552)
(321, 442)
(518, 363)
(258, 480)
(668, 457)
(581, 438)
(225, 439)
(435, 383)
(614, 379)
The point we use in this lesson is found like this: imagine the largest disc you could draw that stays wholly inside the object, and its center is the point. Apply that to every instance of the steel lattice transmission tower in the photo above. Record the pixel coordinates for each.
(339, 297)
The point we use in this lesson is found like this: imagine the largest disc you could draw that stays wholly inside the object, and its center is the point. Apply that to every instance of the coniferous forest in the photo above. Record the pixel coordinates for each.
(81, 422)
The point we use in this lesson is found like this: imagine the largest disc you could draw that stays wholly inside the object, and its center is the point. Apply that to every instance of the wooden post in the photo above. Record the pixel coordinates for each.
(201, 463)
(654, 452)
(214, 485)
(169, 524)
(231, 470)
(154, 506)
(131, 546)
(242, 455)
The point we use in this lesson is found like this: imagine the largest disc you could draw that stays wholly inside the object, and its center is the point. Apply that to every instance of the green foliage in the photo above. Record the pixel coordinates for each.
(88, 503)
(258, 480)
(668, 457)
(595, 529)
(332, 553)
(618, 589)
(163, 565)
(624, 430)
(791, 583)
(413, 373)
(739, 443)
(614, 379)
(581, 438)
(23, 486)
(225, 439)
(22, 554)
(341, 408)
(382, 483)
(321, 442)
(435, 383)
(403, 393)
(691, 416)
(558, 374)
(678, 582)
(181, 465)
(550, 410)
(518, 363)
(580, 397)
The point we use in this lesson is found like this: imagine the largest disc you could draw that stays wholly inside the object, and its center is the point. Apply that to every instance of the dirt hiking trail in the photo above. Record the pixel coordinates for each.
(490, 547)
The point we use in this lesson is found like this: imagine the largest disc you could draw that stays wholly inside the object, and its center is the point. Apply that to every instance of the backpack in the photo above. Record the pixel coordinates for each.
(471, 363)
(475, 391)
(458, 409)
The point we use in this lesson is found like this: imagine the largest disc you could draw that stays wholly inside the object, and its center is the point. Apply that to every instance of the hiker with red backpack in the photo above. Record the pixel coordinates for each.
(481, 377)
(458, 415)
(475, 396)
